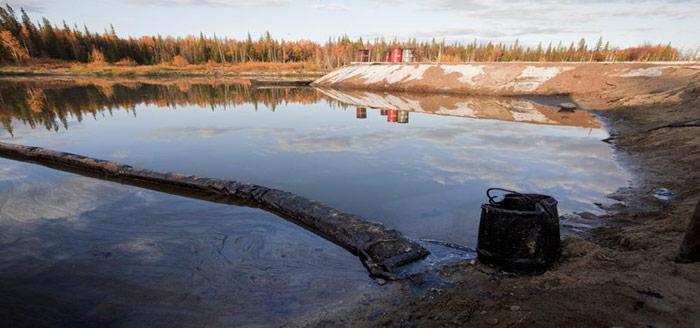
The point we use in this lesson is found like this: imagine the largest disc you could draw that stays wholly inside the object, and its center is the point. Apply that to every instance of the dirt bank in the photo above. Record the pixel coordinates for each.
(513, 78)
(620, 275)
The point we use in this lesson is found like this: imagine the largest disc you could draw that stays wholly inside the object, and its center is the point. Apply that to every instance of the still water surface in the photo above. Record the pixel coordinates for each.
(417, 163)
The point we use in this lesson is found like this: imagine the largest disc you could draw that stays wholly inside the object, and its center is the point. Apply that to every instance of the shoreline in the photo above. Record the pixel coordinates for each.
(621, 274)
(164, 71)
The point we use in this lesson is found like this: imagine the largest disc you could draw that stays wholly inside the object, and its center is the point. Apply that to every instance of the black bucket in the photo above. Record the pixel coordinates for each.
(520, 233)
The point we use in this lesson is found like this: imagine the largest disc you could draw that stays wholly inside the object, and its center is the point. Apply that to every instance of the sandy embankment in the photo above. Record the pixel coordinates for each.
(620, 275)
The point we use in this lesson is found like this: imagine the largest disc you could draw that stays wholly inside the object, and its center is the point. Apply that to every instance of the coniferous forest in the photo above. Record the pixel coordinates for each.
(22, 40)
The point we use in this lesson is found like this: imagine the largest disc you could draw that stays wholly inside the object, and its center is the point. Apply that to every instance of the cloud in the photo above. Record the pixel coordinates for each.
(506, 20)
(564, 10)
(212, 3)
(331, 7)
(35, 6)
(501, 33)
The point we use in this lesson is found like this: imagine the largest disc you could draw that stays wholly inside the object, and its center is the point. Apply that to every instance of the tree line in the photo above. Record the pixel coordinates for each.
(21, 39)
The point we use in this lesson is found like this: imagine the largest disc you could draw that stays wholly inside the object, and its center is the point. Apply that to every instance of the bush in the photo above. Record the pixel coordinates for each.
(127, 62)
(180, 61)
(97, 58)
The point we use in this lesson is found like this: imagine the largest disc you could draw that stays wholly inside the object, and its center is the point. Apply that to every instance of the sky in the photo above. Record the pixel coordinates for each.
(622, 22)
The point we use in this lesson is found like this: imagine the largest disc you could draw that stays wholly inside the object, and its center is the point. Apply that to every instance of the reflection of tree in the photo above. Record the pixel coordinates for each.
(49, 104)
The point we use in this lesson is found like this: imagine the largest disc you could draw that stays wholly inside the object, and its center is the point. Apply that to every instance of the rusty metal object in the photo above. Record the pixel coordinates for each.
(690, 248)
(381, 250)
(520, 233)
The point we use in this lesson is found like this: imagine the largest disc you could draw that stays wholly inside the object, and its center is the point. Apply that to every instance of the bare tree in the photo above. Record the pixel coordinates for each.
(690, 248)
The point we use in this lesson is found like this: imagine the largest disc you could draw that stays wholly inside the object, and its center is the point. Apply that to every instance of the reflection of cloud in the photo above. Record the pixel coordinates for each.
(579, 170)
(120, 154)
(568, 162)
(361, 144)
(367, 143)
(166, 134)
(212, 3)
(63, 199)
(143, 249)
(564, 161)
(10, 173)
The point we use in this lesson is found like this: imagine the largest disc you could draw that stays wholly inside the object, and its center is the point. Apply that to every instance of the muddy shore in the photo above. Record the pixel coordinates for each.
(623, 274)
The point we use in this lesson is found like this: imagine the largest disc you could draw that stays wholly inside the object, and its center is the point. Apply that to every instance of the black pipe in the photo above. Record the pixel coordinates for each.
(381, 250)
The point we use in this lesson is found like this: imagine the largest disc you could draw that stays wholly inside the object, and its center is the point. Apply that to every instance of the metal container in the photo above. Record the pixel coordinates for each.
(361, 113)
(395, 55)
(520, 233)
(362, 55)
(402, 117)
(407, 55)
(392, 115)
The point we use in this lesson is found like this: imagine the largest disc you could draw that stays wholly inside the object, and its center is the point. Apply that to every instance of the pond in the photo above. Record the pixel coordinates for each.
(417, 163)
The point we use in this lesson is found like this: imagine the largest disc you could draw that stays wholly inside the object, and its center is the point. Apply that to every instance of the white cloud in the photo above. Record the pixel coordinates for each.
(213, 3)
(565, 10)
(33, 6)
(331, 7)
(501, 33)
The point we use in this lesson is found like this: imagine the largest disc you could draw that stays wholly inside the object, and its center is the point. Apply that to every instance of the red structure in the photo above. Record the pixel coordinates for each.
(386, 56)
(395, 56)
(362, 55)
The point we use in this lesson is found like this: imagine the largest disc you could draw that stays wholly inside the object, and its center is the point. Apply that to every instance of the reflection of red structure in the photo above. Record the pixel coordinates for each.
(392, 115)
(361, 112)
(395, 55)
(382, 112)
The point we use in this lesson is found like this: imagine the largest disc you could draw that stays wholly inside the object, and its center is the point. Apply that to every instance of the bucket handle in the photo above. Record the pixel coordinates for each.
(491, 198)
(492, 201)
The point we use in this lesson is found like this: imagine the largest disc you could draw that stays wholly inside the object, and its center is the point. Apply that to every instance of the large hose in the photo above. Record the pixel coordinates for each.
(381, 250)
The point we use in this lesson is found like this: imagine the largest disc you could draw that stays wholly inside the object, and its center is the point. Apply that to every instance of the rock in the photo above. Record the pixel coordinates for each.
(567, 107)
(381, 281)
(663, 194)
(492, 322)
(515, 308)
